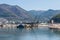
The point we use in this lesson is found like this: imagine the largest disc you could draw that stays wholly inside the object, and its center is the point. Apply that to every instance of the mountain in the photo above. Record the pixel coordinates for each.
(13, 12)
(36, 14)
(44, 16)
(56, 19)
(16, 13)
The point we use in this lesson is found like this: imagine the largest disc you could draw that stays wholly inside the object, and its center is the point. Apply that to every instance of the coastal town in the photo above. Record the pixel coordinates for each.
(5, 24)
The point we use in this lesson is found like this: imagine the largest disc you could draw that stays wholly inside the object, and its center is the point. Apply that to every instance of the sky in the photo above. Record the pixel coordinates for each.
(34, 4)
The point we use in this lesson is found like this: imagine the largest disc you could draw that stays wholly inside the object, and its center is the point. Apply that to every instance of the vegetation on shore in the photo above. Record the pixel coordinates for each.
(56, 18)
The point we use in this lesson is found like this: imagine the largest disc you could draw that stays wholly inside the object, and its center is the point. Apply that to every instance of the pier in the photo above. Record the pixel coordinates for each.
(54, 26)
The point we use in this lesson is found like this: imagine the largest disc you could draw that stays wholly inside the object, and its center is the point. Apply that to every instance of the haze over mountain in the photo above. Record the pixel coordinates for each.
(16, 13)
(46, 15)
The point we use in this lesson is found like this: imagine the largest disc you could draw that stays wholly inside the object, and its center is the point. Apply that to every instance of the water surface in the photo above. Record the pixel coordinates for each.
(33, 34)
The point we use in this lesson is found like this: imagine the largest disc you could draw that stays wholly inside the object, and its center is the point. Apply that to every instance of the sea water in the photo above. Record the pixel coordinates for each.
(32, 34)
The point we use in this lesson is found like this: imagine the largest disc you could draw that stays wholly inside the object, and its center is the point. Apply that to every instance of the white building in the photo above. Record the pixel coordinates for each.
(3, 21)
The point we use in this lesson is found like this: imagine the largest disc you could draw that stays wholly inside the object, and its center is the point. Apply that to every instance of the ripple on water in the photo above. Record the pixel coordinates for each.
(33, 34)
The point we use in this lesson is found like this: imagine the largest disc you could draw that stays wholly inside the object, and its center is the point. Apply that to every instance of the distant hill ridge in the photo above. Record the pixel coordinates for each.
(44, 15)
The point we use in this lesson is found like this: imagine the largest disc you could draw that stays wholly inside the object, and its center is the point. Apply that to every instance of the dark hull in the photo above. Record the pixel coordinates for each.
(20, 26)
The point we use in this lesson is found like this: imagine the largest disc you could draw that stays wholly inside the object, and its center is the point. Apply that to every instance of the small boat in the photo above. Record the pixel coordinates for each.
(20, 26)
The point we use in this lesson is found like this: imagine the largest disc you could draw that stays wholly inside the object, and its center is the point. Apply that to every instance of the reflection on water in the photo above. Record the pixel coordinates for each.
(33, 34)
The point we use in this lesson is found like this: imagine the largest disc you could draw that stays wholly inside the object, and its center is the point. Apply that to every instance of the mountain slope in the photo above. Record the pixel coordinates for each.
(44, 16)
(13, 12)
(56, 18)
